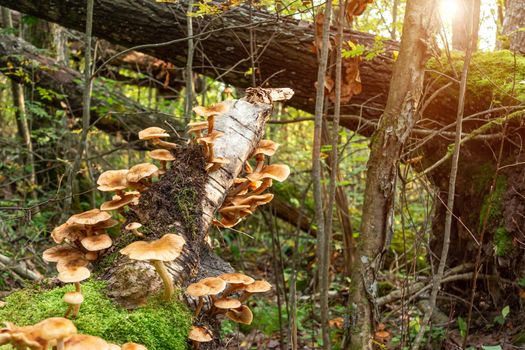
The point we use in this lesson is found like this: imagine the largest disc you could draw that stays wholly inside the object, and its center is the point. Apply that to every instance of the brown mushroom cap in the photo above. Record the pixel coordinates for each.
(67, 231)
(133, 346)
(133, 226)
(266, 147)
(96, 243)
(141, 171)
(236, 278)
(23, 340)
(114, 204)
(114, 347)
(90, 217)
(212, 110)
(241, 315)
(200, 334)
(85, 342)
(197, 290)
(216, 284)
(227, 303)
(167, 248)
(260, 286)
(226, 222)
(70, 263)
(91, 256)
(277, 172)
(55, 328)
(112, 180)
(72, 275)
(5, 338)
(59, 252)
(73, 298)
(105, 224)
(153, 133)
(210, 138)
(162, 154)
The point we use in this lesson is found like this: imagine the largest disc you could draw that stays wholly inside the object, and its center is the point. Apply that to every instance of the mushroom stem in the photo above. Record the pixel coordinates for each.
(231, 289)
(260, 163)
(239, 188)
(199, 306)
(244, 296)
(68, 311)
(60, 344)
(163, 165)
(137, 233)
(211, 153)
(77, 287)
(166, 279)
(211, 123)
(76, 309)
(165, 144)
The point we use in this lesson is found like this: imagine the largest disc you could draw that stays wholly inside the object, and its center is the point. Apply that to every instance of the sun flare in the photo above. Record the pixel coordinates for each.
(448, 9)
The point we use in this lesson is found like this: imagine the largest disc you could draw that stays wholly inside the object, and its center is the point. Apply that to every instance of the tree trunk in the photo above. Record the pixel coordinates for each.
(401, 113)
(461, 22)
(514, 20)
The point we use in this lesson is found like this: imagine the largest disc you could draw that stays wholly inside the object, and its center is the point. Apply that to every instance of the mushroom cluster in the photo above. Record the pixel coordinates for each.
(58, 333)
(206, 141)
(248, 192)
(226, 292)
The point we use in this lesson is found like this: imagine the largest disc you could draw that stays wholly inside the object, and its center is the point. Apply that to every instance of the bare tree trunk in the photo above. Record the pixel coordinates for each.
(462, 21)
(401, 112)
(514, 20)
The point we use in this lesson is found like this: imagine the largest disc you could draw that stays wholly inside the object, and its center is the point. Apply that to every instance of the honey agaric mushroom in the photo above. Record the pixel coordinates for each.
(196, 128)
(198, 290)
(133, 346)
(91, 256)
(155, 134)
(90, 217)
(69, 263)
(120, 202)
(227, 303)
(216, 163)
(55, 328)
(277, 172)
(140, 172)
(134, 228)
(199, 335)
(105, 224)
(114, 347)
(241, 315)
(96, 243)
(85, 342)
(74, 299)
(22, 340)
(264, 148)
(113, 181)
(59, 252)
(256, 287)
(207, 141)
(167, 248)
(236, 281)
(211, 112)
(66, 231)
(163, 156)
(226, 222)
(74, 275)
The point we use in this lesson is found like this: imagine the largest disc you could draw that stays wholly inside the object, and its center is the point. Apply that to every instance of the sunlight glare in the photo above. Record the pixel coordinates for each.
(448, 9)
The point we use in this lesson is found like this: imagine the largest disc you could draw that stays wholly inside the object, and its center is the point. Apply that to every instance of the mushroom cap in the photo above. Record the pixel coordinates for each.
(167, 248)
(5, 338)
(70, 263)
(233, 209)
(241, 315)
(114, 204)
(200, 334)
(210, 137)
(91, 256)
(203, 125)
(162, 154)
(112, 180)
(73, 298)
(133, 226)
(133, 346)
(55, 328)
(114, 347)
(254, 200)
(226, 222)
(260, 286)
(266, 147)
(96, 243)
(25, 339)
(105, 224)
(74, 274)
(65, 231)
(90, 217)
(277, 172)
(60, 252)
(213, 110)
(236, 278)
(153, 133)
(227, 303)
(220, 160)
(85, 342)
(216, 284)
(197, 290)
(141, 171)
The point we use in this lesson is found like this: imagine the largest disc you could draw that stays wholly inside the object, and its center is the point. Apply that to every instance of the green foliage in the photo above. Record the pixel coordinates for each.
(500, 319)
(502, 241)
(157, 325)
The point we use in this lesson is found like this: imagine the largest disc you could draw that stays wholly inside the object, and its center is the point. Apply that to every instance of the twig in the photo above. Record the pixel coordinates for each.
(19, 269)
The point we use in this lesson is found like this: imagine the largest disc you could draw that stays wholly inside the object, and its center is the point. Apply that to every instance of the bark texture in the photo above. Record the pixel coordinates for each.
(514, 20)
(401, 113)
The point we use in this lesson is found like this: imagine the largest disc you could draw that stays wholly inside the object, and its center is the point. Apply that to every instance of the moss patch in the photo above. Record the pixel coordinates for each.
(159, 326)
(502, 241)
(492, 205)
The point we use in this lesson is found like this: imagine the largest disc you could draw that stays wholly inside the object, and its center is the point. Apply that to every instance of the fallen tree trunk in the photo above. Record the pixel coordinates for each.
(112, 112)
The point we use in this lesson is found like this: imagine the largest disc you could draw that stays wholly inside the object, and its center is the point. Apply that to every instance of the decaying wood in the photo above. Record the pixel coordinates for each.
(131, 282)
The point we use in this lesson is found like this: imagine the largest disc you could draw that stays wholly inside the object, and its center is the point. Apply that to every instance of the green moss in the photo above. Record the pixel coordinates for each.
(159, 326)
(502, 241)
(494, 74)
(492, 203)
